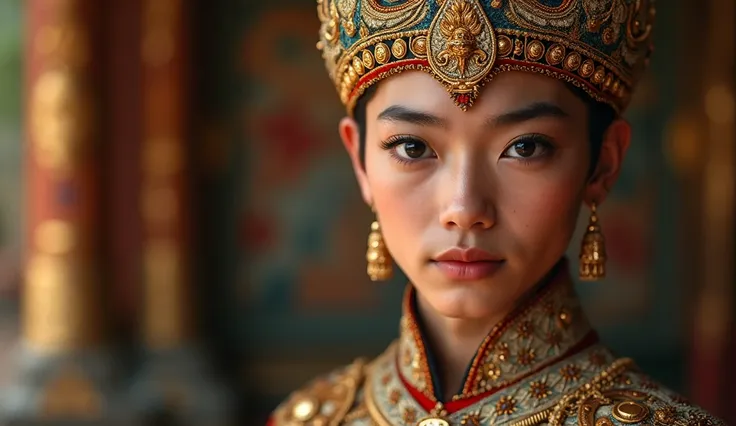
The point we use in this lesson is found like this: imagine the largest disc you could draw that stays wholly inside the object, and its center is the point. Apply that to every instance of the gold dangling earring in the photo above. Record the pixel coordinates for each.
(379, 259)
(593, 250)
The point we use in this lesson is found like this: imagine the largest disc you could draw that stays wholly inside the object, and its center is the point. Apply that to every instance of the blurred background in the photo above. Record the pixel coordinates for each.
(182, 239)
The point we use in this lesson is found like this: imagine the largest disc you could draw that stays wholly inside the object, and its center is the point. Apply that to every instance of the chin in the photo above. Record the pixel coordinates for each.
(463, 301)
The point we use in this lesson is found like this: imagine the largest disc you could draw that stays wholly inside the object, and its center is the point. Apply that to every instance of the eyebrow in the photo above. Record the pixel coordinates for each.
(527, 113)
(407, 115)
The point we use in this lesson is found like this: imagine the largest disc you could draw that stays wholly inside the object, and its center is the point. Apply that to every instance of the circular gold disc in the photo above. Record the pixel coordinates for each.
(630, 412)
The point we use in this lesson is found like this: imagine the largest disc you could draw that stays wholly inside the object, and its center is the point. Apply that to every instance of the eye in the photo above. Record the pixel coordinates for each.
(407, 148)
(528, 147)
(413, 150)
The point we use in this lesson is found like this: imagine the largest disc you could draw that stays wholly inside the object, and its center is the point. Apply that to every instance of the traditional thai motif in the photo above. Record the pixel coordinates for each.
(601, 46)
(578, 381)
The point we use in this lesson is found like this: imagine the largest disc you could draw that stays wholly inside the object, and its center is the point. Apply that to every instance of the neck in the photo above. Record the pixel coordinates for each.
(454, 342)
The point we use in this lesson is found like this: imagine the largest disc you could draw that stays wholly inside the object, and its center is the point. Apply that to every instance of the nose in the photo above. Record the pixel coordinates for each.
(469, 198)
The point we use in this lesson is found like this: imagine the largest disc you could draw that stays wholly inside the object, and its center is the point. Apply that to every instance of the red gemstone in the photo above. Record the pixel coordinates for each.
(463, 99)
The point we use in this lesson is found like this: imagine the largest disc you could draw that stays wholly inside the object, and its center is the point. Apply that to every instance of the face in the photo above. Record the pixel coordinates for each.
(477, 206)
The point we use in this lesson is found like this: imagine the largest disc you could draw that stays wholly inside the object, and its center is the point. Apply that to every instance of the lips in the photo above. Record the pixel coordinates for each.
(467, 264)
(467, 255)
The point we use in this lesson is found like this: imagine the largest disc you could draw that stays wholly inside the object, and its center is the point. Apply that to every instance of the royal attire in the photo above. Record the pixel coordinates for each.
(543, 364)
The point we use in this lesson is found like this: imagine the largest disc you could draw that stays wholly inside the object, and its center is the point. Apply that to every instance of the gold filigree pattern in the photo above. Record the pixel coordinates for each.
(324, 401)
(540, 398)
(462, 48)
(464, 43)
(461, 26)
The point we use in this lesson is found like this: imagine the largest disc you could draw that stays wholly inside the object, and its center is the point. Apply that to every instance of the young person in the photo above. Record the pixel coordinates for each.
(477, 129)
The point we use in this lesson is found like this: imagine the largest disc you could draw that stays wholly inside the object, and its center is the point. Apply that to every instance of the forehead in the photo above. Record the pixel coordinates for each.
(507, 91)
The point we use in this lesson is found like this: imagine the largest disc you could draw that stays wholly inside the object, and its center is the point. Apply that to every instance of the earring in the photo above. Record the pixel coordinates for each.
(378, 257)
(593, 250)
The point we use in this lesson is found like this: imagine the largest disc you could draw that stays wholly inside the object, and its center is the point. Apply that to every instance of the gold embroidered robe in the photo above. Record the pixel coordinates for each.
(542, 365)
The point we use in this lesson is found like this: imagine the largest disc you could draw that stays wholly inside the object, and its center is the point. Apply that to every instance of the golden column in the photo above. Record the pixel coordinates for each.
(714, 309)
(61, 371)
(164, 195)
(176, 381)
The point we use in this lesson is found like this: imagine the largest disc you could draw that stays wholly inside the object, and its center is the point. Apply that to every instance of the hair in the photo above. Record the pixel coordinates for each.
(600, 117)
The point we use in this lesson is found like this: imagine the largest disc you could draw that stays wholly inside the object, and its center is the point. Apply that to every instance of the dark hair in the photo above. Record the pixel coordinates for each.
(600, 117)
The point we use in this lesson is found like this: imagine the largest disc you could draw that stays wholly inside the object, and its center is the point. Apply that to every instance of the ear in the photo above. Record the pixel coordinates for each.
(350, 135)
(613, 150)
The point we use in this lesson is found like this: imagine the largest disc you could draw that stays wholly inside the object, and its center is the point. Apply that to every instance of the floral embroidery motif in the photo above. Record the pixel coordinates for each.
(525, 329)
(569, 379)
(570, 373)
(526, 356)
(506, 406)
(394, 396)
(472, 419)
(503, 352)
(386, 378)
(410, 415)
(539, 390)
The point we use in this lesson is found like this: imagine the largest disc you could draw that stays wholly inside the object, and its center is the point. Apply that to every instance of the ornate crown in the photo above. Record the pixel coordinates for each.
(601, 46)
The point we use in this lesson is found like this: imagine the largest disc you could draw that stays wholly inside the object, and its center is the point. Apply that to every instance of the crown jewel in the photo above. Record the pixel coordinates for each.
(601, 46)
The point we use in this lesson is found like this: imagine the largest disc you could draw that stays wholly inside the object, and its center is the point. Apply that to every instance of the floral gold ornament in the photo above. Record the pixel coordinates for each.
(593, 250)
(462, 48)
(505, 406)
(539, 390)
(380, 266)
(465, 43)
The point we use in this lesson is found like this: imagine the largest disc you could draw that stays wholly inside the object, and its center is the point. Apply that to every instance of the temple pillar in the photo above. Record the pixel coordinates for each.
(715, 307)
(62, 370)
(176, 382)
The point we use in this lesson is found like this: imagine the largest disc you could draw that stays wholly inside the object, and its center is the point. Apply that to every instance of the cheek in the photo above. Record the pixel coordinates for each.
(403, 202)
(541, 208)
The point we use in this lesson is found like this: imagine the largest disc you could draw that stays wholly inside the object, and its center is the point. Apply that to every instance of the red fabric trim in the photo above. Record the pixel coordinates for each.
(416, 335)
(426, 402)
(577, 77)
(453, 406)
(270, 422)
(504, 61)
(384, 68)
(558, 276)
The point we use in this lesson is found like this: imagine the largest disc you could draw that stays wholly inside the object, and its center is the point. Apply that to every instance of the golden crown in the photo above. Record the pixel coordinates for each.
(600, 46)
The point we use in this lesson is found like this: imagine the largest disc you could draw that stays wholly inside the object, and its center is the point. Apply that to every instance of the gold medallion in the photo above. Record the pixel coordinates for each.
(630, 412)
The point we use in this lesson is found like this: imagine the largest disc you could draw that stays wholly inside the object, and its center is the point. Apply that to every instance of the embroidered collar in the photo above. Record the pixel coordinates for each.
(546, 328)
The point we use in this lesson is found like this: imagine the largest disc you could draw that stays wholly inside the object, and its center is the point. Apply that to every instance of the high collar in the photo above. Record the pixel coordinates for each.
(547, 327)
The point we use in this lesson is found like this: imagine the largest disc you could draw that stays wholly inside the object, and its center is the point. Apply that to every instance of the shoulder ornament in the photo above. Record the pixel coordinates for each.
(325, 401)
(610, 399)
